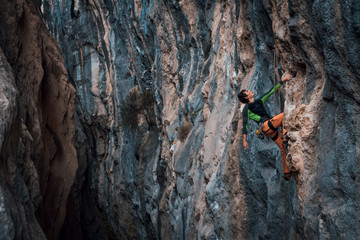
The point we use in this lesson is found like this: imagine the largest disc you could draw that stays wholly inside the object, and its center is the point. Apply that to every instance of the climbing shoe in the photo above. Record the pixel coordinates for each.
(287, 176)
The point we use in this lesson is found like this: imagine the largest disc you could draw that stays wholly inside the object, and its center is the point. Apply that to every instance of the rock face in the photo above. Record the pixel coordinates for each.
(38, 158)
(71, 170)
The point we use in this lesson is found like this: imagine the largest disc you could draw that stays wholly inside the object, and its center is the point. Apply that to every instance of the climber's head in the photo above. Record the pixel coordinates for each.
(245, 95)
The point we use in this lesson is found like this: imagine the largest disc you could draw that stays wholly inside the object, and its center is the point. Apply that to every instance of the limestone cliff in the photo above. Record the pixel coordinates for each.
(71, 168)
(38, 158)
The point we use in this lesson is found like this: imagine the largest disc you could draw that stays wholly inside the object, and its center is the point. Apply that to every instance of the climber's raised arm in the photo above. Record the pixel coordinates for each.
(284, 78)
(245, 126)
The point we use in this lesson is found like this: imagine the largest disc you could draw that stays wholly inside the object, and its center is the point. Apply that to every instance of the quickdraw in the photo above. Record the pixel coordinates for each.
(260, 132)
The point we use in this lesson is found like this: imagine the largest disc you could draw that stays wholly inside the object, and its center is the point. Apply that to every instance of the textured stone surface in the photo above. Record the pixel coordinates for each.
(38, 158)
(196, 56)
(150, 182)
(7, 107)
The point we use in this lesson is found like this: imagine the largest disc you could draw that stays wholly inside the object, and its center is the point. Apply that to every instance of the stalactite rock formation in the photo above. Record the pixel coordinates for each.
(181, 172)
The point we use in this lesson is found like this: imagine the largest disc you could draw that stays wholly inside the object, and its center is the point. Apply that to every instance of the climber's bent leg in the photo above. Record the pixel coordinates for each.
(276, 137)
(280, 144)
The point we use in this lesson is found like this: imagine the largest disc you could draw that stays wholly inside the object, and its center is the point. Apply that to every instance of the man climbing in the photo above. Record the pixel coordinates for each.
(256, 111)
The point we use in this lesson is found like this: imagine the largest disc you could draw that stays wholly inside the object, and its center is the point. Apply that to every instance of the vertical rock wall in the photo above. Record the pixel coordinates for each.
(322, 39)
(187, 176)
(196, 56)
(38, 159)
(147, 183)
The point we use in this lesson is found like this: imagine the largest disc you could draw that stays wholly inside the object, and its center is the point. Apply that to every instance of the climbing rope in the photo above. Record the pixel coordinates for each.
(276, 80)
(275, 66)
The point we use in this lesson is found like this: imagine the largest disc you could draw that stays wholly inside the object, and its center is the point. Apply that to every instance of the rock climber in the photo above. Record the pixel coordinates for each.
(256, 111)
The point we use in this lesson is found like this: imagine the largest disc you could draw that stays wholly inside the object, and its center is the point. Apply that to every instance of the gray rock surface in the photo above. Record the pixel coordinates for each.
(185, 175)
(7, 108)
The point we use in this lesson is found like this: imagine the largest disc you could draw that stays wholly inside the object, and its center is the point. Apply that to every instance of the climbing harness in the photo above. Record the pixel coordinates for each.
(259, 132)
